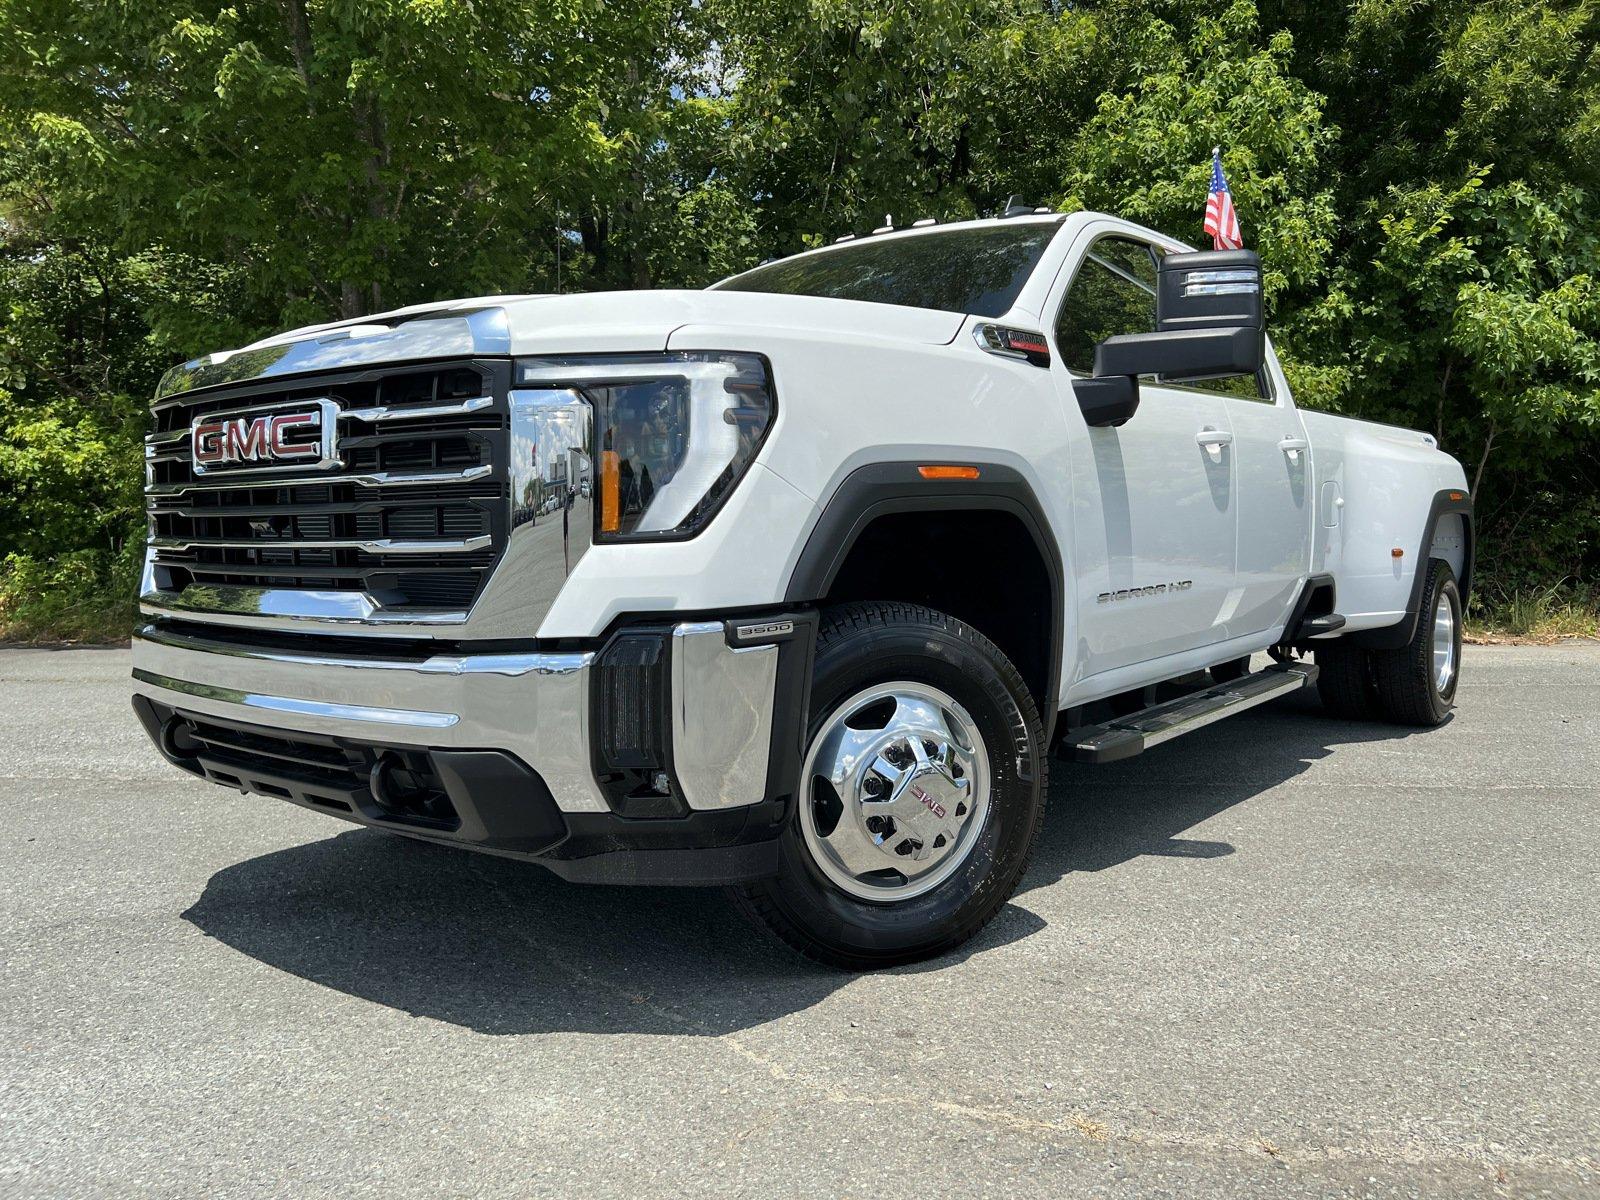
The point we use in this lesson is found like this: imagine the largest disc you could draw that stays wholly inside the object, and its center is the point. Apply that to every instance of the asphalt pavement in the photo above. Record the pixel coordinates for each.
(1284, 956)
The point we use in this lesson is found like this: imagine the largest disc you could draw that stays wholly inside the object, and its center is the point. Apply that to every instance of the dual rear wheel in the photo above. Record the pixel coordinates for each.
(1412, 685)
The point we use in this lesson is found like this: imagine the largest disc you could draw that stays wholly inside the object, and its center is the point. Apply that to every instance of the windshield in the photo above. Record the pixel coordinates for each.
(975, 270)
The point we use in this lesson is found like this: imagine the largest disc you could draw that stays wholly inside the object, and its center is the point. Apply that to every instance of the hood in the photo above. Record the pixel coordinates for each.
(580, 323)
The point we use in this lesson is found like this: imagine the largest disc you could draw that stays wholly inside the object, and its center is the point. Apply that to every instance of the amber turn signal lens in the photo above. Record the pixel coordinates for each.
(1458, 495)
(948, 472)
(1397, 553)
(610, 491)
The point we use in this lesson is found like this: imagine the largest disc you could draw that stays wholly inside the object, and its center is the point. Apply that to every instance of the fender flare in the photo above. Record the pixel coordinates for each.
(1392, 637)
(886, 488)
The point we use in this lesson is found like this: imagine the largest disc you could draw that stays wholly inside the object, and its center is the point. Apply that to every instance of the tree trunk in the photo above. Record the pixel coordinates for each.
(1483, 459)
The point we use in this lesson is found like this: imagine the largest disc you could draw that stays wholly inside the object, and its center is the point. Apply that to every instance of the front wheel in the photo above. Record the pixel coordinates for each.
(921, 793)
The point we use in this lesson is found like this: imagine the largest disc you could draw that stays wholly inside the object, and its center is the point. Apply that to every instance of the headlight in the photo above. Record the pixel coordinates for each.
(673, 433)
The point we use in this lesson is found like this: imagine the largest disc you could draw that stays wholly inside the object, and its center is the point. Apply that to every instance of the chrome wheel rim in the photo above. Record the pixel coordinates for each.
(1444, 645)
(895, 791)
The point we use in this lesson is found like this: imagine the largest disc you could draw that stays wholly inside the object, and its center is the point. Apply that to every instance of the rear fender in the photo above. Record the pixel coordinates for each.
(1446, 534)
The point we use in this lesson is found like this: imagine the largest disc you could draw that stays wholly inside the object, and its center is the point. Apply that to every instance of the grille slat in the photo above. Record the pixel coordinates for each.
(375, 479)
(416, 517)
(364, 546)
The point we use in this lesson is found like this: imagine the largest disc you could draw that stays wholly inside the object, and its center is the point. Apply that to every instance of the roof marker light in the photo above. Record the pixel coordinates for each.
(947, 471)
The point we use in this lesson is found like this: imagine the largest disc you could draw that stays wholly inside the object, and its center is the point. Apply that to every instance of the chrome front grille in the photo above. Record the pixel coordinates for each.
(412, 520)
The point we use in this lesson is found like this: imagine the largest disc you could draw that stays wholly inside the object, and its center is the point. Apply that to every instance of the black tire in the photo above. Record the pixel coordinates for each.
(1345, 683)
(862, 645)
(1407, 679)
(1227, 672)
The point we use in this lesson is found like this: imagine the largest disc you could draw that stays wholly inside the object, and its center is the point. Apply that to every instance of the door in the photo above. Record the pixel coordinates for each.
(1273, 477)
(1154, 501)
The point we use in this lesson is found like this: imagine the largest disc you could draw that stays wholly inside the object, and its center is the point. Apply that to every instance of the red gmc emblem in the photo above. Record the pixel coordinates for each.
(301, 436)
(928, 801)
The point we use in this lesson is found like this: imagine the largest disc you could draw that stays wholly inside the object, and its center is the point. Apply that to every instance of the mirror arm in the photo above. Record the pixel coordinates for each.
(1107, 400)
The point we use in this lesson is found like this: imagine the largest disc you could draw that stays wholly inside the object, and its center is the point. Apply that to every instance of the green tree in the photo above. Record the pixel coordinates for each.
(1420, 177)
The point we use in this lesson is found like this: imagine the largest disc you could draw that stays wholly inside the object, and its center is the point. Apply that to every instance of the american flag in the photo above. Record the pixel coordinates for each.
(1222, 222)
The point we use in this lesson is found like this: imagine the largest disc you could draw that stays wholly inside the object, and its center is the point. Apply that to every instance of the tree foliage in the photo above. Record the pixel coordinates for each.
(1422, 179)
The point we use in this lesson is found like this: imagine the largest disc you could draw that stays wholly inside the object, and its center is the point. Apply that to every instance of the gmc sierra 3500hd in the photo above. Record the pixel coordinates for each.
(790, 584)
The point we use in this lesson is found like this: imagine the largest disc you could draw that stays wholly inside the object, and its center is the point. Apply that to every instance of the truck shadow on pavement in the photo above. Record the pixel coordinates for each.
(502, 947)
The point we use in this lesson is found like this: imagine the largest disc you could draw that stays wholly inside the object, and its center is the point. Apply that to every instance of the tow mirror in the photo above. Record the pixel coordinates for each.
(1209, 289)
(1208, 326)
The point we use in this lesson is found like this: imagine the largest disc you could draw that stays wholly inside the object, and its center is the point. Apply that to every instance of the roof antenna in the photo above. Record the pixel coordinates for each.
(1016, 206)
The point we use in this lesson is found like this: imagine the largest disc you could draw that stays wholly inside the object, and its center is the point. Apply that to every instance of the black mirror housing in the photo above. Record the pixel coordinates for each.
(1182, 353)
(1209, 325)
(1108, 401)
(1209, 289)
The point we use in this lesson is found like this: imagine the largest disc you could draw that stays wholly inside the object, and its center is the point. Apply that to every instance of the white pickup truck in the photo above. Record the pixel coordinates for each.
(792, 584)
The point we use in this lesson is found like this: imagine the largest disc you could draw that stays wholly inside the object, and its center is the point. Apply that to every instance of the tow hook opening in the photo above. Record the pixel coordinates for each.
(177, 740)
(404, 788)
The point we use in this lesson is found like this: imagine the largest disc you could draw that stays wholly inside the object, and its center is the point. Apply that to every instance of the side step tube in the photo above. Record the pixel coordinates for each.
(1137, 732)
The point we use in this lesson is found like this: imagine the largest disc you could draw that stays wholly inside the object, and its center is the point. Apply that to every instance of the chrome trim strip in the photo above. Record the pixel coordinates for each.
(373, 479)
(532, 704)
(722, 700)
(436, 333)
(309, 708)
(510, 665)
(172, 436)
(552, 497)
(365, 545)
(386, 412)
(297, 608)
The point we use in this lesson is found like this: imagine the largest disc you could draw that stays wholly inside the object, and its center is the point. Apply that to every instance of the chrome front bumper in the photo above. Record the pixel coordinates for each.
(536, 706)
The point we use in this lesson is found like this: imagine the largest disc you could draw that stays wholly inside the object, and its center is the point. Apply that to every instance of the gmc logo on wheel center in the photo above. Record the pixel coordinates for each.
(301, 436)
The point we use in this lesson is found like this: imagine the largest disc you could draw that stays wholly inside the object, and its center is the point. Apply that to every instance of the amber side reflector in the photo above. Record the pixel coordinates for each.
(610, 491)
(1397, 553)
(948, 472)
(1458, 495)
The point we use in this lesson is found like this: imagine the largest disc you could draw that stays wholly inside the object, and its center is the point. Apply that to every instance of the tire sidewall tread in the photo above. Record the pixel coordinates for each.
(1404, 678)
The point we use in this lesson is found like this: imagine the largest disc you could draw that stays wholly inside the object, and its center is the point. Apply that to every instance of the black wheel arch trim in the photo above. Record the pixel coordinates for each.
(887, 488)
(1392, 637)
